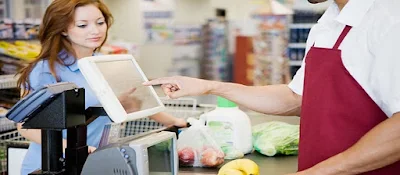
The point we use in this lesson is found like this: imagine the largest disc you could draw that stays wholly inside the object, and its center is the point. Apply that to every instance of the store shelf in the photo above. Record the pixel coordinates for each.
(297, 45)
(301, 26)
(11, 56)
(8, 81)
(295, 62)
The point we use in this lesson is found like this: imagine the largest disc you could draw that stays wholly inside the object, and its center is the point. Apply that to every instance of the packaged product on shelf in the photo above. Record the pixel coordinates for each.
(215, 43)
(303, 34)
(31, 28)
(20, 30)
(112, 49)
(270, 49)
(300, 54)
(294, 36)
(6, 29)
(187, 34)
(293, 53)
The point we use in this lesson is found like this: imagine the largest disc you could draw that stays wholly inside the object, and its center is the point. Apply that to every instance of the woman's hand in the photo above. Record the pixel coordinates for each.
(91, 149)
(179, 122)
(129, 102)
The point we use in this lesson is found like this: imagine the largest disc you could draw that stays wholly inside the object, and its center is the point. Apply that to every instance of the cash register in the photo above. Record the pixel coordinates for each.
(60, 106)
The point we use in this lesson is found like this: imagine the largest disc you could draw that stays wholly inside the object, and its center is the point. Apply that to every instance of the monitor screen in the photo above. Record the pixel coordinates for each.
(15, 157)
(126, 83)
(116, 80)
(161, 158)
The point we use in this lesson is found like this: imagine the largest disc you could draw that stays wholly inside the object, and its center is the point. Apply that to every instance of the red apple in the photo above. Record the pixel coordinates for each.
(212, 158)
(186, 156)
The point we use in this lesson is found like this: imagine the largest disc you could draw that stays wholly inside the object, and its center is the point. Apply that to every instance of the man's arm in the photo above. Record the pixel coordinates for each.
(273, 99)
(378, 148)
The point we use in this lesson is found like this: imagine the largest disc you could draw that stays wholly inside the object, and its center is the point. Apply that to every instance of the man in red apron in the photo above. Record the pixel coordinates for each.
(348, 91)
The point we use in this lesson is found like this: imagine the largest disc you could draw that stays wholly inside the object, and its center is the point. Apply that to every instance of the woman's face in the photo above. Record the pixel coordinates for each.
(88, 30)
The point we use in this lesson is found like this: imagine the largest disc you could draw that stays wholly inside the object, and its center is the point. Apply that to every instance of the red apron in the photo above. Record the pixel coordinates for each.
(336, 111)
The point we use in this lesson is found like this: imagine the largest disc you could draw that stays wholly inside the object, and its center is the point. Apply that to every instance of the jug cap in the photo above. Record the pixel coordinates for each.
(225, 103)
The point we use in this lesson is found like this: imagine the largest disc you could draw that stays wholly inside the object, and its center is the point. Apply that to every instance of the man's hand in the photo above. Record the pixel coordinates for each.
(129, 102)
(179, 86)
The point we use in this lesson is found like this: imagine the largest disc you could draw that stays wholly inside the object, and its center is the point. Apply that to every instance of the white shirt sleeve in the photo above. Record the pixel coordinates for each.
(385, 72)
(297, 83)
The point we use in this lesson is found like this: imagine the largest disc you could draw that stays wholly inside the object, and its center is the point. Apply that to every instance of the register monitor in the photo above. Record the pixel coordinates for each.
(153, 154)
(112, 79)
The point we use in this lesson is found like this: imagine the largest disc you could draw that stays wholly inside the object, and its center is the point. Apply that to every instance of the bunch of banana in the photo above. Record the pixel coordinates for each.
(20, 49)
(240, 167)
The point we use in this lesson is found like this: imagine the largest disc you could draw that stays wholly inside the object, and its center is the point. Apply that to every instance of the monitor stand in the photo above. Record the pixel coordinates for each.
(66, 111)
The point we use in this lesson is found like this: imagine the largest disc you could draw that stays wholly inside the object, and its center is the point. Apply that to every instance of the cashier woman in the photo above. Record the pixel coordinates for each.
(70, 30)
(347, 91)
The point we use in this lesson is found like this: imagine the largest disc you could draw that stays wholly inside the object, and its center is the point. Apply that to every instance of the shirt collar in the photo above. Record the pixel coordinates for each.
(352, 14)
(69, 60)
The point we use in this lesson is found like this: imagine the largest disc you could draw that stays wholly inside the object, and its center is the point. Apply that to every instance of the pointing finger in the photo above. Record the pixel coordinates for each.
(165, 80)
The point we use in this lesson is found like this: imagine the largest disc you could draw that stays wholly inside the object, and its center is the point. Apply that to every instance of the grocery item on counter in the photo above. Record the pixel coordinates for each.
(231, 128)
(197, 148)
(276, 138)
(231, 152)
(240, 167)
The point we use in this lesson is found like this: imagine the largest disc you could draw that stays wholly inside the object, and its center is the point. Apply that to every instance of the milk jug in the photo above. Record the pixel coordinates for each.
(230, 126)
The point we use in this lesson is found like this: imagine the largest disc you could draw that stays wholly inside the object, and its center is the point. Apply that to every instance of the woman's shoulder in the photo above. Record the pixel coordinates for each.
(41, 66)
(41, 75)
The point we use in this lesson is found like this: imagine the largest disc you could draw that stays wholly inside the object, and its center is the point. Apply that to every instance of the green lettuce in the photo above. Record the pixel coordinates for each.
(276, 138)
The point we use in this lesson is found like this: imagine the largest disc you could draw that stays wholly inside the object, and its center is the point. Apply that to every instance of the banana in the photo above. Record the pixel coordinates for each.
(247, 166)
(230, 172)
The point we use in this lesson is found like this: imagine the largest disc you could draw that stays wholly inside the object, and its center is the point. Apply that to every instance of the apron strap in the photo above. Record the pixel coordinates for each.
(342, 36)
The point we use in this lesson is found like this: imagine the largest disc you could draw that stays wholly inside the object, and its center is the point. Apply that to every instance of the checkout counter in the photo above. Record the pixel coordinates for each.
(66, 102)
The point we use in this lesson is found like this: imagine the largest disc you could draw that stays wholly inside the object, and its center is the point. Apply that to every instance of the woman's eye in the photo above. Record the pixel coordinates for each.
(82, 26)
(101, 23)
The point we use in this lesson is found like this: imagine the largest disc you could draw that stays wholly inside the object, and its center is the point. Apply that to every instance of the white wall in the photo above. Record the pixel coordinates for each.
(17, 8)
(16, 11)
(236, 9)
(192, 11)
(305, 5)
(126, 24)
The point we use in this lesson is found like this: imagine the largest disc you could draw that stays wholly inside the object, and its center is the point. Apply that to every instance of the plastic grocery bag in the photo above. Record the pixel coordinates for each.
(276, 138)
(197, 148)
(231, 152)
